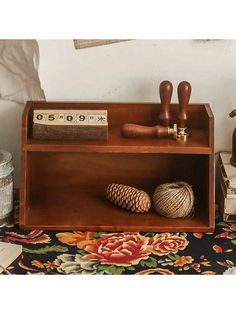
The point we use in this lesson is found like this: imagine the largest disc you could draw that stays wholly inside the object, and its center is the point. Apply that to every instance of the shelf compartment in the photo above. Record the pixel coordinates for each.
(63, 209)
(200, 122)
(67, 191)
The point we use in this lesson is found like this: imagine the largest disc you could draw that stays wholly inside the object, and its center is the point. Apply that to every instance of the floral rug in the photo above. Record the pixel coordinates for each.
(107, 253)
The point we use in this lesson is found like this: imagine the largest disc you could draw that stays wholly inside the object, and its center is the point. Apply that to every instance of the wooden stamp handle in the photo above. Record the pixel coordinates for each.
(184, 92)
(165, 91)
(134, 130)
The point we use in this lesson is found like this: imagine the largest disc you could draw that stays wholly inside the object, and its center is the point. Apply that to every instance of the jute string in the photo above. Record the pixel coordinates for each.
(174, 200)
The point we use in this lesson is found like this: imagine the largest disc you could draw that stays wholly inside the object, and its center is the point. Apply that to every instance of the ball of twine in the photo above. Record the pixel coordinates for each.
(174, 200)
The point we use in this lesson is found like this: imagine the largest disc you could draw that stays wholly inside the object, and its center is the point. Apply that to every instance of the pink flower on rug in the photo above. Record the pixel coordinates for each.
(166, 243)
(198, 235)
(33, 237)
(224, 235)
(123, 249)
(155, 270)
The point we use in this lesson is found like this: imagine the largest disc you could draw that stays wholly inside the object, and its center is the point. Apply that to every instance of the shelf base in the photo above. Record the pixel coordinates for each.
(89, 210)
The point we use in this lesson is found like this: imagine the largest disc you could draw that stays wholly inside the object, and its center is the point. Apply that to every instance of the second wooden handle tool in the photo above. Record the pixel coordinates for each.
(165, 91)
(134, 130)
(184, 92)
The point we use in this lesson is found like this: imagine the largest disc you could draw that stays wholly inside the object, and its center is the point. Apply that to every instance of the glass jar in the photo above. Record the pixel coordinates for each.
(6, 187)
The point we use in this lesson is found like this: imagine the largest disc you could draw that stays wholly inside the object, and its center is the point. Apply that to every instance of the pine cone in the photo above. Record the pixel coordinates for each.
(128, 197)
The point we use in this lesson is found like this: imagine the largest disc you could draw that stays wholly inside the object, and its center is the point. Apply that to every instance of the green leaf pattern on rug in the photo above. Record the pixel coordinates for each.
(222, 224)
(150, 262)
(111, 269)
(97, 235)
(233, 241)
(82, 252)
(47, 249)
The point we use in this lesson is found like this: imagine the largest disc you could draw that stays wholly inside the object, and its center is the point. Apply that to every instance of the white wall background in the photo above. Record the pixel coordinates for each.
(133, 71)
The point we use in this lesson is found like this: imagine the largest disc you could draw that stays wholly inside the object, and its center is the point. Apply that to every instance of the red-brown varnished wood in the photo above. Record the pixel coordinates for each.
(197, 144)
(165, 91)
(184, 92)
(130, 130)
(89, 210)
(211, 172)
(63, 182)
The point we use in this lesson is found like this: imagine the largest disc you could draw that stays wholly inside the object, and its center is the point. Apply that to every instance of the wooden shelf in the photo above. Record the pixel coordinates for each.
(69, 209)
(63, 182)
(197, 142)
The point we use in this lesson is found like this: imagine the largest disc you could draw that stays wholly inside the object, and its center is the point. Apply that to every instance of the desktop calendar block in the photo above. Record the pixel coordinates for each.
(70, 124)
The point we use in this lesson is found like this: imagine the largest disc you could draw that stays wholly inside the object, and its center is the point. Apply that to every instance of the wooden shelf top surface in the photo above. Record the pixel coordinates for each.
(197, 143)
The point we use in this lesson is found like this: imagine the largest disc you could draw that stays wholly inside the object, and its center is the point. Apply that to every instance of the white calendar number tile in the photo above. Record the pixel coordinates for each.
(92, 118)
(70, 118)
(61, 117)
(101, 119)
(51, 117)
(82, 118)
(40, 117)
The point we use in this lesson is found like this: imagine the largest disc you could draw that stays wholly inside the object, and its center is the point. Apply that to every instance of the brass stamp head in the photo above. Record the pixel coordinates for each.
(173, 131)
(182, 134)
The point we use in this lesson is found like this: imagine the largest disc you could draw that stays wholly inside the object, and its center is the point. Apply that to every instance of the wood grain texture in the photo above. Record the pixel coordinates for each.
(165, 91)
(89, 210)
(70, 132)
(63, 182)
(184, 93)
(130, 130)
